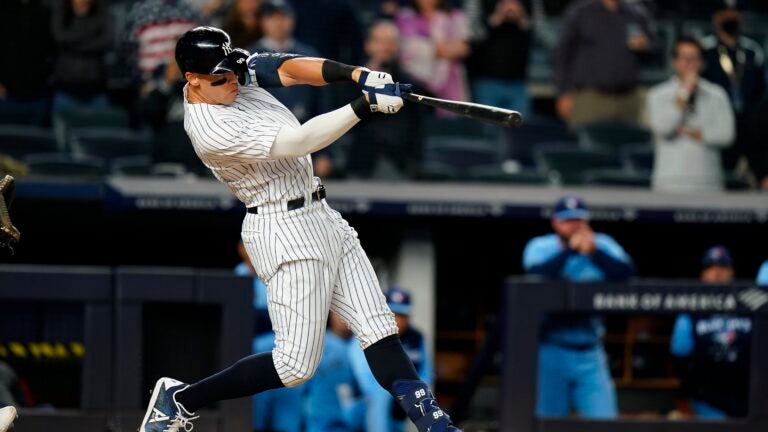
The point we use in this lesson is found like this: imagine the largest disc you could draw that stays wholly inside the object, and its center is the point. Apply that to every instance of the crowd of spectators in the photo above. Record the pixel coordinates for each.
(118, 56)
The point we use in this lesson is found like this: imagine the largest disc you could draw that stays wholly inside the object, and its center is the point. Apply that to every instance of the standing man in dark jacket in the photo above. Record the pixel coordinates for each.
(597, 61)
(499, 62)
(81, 29)
(25, 63)
(736, 63)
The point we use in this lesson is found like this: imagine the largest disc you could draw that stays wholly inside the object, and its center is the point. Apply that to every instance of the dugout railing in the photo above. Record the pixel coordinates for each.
(527, 301)
(138, 324)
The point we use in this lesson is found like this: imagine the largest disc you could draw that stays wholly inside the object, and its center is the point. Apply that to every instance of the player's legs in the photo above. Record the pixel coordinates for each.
(593, 395)
(553, 389)
(357, 297)
(299, 298)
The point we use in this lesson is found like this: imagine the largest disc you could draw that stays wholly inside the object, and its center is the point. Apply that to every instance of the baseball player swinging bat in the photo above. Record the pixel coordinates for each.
(309, 257)
(492, 114)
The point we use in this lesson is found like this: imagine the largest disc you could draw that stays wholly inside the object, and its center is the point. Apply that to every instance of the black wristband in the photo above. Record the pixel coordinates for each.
(361, 107)
(334, 71)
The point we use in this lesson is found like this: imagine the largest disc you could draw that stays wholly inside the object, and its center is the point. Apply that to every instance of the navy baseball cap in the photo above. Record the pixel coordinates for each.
(270, 7)
(717, 255)
(571, 207)
(399, 301)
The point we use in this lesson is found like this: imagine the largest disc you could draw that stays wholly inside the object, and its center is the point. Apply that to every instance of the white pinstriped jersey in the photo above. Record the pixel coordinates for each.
(234, 141)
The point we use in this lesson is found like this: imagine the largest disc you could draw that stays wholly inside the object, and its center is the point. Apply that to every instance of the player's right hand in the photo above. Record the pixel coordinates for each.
(386, 104)
(386, 99)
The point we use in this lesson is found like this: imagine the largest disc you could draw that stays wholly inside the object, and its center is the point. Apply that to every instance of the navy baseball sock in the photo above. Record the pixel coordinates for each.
(389, 362)
(250, 375)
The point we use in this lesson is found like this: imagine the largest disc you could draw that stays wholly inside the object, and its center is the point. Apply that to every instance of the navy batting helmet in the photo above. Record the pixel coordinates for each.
(205, 50)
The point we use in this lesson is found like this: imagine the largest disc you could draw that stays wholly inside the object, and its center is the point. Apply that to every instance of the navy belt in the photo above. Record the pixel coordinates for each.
(297, 203)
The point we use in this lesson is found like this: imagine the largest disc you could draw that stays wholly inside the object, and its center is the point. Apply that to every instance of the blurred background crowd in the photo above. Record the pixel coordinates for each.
(664, 94)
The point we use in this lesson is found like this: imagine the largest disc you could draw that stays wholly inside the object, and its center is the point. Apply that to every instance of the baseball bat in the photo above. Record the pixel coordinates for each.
(492, 114)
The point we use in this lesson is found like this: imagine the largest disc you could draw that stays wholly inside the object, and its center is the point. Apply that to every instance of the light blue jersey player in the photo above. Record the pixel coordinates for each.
(329, 402)
(275, 410)
(381, 415)
(762, 275)
(573, 371)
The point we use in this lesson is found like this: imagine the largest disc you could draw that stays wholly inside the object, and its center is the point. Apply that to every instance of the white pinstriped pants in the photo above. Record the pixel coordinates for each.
(311, 261)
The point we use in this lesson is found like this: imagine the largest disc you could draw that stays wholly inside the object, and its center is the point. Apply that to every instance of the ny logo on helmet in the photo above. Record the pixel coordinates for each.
(227, 47)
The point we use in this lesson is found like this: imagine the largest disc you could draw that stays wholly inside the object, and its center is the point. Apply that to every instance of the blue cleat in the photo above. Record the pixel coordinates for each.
(420, 405)
(164, 414)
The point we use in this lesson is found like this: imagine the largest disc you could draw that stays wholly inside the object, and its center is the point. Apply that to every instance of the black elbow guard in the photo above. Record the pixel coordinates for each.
(265, 65)
(334, 71)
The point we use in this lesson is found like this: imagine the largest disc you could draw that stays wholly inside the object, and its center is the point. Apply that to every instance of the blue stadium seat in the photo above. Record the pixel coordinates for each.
(612, 135)
(18, 141)
(567, 162)
(535, 130)
(617, 177)
(172, 145)
(64, 165)
(67, 120)
(639, 158)
(494, 174)
(109, 143)
(461, 127)
(461, 152)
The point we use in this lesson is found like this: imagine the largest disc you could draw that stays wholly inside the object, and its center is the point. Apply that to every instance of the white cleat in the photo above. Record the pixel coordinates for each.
(7, 416)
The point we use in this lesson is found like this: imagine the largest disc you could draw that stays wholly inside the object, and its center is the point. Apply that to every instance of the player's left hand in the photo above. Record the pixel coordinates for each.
(239, 58)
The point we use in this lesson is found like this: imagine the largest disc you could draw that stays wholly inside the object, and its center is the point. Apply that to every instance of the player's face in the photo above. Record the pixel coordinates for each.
(216, 89)
(383, 44)
(278, 26)
(717, 274)
(566, 228)
(687, 60)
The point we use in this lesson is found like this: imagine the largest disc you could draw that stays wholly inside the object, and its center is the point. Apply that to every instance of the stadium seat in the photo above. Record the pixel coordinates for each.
(568, 163)
(74, 118)
(436, 171)
(494, 174)
(18, 141)
(735, 182)
(109, 143)
(458, 154)
(64, 165)
(612, 135)
(18, 116)
(172, 145)
(461, 127)
(639, 158)
(522, 141)
(131, 165)
(617, 177)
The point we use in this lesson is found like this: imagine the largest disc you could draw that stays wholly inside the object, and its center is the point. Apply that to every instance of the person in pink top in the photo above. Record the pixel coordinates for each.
(434, 42)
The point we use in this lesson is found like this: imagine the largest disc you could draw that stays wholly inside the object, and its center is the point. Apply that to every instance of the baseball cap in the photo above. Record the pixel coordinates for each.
(717, 255)
(571, 207)
(270, 7)
(399, 301)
